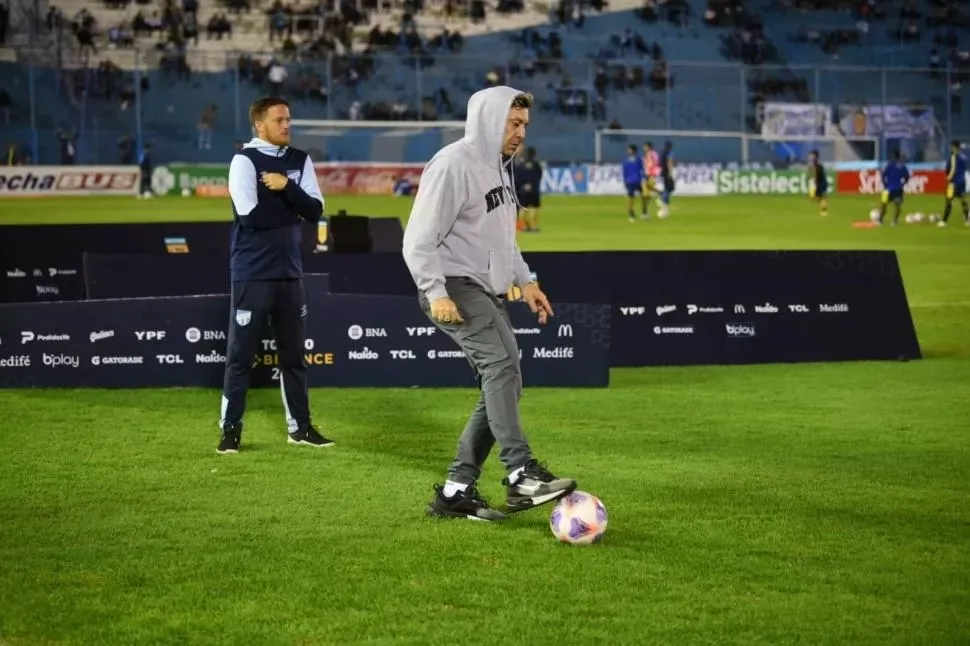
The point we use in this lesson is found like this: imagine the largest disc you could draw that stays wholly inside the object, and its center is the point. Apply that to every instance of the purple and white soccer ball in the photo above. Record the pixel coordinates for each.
(579, 519)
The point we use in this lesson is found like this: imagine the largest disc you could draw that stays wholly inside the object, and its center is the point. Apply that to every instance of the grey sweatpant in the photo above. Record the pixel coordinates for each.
(488, 341)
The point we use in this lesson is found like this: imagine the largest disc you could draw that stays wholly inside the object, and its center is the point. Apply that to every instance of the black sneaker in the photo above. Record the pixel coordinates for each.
(309, 436)
(464, 504)
(231, 436)
(536, 486)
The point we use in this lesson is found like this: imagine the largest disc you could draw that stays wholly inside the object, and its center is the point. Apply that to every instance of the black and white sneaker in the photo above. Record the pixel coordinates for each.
(464, 504)
(231, 436)
(309, 436)
(536, 486)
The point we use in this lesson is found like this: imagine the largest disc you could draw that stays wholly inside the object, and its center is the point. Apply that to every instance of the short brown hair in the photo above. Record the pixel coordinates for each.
(524, 101)
(259, 107)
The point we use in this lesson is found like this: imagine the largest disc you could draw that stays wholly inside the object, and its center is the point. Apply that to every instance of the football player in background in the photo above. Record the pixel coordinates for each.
(528, 182)
(818, 188)
(956, 183)
(633, 179)
(894, 178)
(651, 171)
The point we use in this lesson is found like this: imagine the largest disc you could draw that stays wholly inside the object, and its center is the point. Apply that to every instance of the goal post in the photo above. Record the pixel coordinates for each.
(717, 147)
(395, 142)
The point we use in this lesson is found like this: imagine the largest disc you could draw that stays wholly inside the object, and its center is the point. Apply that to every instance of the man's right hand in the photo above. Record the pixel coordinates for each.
(444, 310)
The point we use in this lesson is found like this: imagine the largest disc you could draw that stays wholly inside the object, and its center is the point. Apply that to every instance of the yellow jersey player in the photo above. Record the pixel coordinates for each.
(818, 187)
(956, 183)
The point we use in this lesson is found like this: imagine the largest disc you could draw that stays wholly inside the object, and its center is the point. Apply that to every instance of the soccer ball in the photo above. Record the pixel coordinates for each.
(579, 519)
(186, 192)
(874, 215)
(934, 218)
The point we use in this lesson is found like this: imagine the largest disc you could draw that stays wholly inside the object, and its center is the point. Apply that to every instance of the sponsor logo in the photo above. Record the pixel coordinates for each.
(168, 358)
(150, 335)
(764, 182)
(683, 329)
(243, 317)
(800, 309)
(633, 311)
(833, 307)
(194, 335)
(564, 352)
(54, 271)
(700, 309)
(270, 344)
(101, 335)
(349, 179)
(364, 354)
(739, 330)
(67, 180)
(47, 290)
(26, 336)
(739, 309)
(868, 182)
(212, 357)
(565, 331)
(117, 361)
(58, 360)
(16, 273)
(526, 330)
(665, 309)
(356, 332)
(563, 179)
(421, 331)
(16, 361)
(446, 354)
(767, 308)
(402, 354)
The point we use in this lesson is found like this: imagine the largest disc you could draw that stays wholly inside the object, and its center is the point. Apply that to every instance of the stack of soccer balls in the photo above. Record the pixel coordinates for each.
(579, 519)
(909, 218)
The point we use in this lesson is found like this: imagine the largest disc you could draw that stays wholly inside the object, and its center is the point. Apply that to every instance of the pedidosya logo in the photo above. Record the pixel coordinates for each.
(163, 180)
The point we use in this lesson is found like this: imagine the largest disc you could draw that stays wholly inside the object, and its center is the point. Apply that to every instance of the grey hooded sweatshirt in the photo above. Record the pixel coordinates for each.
(464, 214)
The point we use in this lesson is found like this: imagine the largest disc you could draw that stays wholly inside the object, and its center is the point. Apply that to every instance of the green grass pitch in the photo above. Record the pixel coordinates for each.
(812, 504)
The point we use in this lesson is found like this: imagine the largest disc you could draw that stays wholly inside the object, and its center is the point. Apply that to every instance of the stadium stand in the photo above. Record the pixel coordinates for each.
(686, 65)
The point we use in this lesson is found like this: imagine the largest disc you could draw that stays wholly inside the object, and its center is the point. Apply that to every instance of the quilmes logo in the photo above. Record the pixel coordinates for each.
(101, 335)
(665, 309)
(767, 308)
(739, 330)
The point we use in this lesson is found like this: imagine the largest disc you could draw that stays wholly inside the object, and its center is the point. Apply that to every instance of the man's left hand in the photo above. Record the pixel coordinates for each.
(275, 181)
(537, 302)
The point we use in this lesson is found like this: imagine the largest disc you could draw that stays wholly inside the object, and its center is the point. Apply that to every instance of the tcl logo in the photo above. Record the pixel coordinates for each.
(150, 335)
(402, 354)
(168, 358)
(420, 331)
(801, 309)
(75, 181)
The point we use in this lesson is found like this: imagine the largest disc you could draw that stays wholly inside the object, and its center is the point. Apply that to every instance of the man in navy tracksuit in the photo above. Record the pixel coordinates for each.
(272, 186)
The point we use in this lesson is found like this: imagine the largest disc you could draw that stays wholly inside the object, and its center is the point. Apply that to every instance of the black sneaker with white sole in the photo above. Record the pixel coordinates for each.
(231, 437)
(309, 436)
(536, 486)
(464, 504)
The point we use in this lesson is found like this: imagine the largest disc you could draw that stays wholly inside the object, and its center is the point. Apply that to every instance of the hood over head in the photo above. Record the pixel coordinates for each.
(488, 111)
(264, 146)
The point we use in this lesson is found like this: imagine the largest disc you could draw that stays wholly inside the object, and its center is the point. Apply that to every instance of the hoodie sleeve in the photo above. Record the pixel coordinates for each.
(305, 196)
(522, 275)
(242, 192)
(436, 207)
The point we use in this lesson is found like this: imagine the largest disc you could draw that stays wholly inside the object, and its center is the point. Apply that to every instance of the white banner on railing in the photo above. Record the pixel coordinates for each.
(795, 119)
(68, 180)
(691, 179)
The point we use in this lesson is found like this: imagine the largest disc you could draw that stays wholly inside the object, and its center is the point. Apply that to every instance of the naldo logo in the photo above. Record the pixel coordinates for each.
(163, 180)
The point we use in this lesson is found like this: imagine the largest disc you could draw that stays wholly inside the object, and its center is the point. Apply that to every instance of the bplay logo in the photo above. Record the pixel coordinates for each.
(47, 290)
(150, 335)
(767, 308)
(101, 335)
(633, 311)
(356, 332)
(665, 309)
(402, 354)
(739, 330)
(833, 307)
(194, 335)
(61, 360)
(798, 309)
(421, 331)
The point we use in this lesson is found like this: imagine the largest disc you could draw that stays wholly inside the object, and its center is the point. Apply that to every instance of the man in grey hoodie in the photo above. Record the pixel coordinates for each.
(460, 248)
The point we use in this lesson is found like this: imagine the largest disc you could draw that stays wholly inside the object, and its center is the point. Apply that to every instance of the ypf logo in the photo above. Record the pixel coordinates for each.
(163, 180)
(420, 331)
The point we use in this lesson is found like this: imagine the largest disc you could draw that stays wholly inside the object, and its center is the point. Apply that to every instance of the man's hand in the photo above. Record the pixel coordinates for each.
(444, 310)
(537, 302)
(274, 181)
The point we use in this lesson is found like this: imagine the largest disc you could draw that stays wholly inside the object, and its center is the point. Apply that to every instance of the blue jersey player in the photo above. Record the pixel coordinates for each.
(818, 183)
(633, 178)
(956, 183)
(894, 178)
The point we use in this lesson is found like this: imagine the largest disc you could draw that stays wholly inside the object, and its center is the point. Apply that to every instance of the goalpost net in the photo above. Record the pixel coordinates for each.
(737, 148)
(396, 142)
